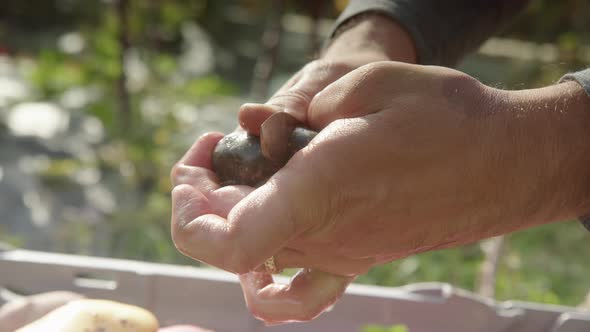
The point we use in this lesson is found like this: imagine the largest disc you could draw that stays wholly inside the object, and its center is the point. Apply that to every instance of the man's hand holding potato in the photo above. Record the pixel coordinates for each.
(408, 159)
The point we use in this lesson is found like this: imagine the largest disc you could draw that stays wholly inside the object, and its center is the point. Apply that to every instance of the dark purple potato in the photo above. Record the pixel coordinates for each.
(239, 159)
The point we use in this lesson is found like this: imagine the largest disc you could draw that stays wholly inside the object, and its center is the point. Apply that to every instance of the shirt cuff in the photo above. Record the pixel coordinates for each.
(582, 77)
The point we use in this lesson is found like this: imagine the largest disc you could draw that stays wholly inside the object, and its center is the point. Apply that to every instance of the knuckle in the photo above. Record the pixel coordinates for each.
(320, 74)
(292, 97)
(374, 71)
(175, 172)
(317, 67)
(179, 173)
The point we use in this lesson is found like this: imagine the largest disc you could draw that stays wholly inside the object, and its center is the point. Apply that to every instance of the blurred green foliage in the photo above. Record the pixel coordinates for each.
(377, 328)
(546, 264)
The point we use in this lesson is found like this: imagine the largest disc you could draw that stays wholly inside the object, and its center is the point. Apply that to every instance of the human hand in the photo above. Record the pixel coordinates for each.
(369, 114)
(372, 38)
(409, 159)
(369, 38)
(197, 195)
(199, 201)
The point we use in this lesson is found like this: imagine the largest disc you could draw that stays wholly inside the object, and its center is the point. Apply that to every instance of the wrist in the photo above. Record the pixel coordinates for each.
(549, 130)
(375, 34)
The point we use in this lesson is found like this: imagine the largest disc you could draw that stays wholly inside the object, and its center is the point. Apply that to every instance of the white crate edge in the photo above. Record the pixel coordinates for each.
(212, 298)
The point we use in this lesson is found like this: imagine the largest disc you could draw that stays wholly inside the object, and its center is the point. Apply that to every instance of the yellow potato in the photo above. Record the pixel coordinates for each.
(95, 316)
(24, 310)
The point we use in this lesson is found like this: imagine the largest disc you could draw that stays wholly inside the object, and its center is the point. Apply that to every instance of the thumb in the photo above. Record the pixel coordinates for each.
(278, 211)
(293, 100)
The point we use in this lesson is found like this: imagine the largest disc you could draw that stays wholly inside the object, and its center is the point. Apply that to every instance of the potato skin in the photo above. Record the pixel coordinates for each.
(238, 159)
(95, 315)
(23, 311)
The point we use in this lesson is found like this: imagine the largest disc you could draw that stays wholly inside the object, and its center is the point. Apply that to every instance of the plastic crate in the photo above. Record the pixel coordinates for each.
(213, 299)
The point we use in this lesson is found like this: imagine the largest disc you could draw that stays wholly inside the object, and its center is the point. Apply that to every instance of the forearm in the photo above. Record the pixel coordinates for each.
(443, 31)
(548, 130)
(376, 34)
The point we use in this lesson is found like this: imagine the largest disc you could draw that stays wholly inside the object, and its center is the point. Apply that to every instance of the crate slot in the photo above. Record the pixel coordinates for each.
(95, 281)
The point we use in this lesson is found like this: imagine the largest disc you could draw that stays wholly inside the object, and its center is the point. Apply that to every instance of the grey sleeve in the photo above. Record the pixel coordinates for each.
(583, 78)
(443, 30)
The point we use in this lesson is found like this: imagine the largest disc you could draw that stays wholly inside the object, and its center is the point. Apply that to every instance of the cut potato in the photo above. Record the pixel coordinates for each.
(95, 316)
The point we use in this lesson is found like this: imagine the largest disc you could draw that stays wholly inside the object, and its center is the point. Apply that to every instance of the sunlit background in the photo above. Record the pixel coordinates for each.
(98, 99)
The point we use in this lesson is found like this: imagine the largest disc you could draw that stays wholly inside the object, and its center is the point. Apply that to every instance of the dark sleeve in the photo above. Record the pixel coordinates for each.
(443, 30)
